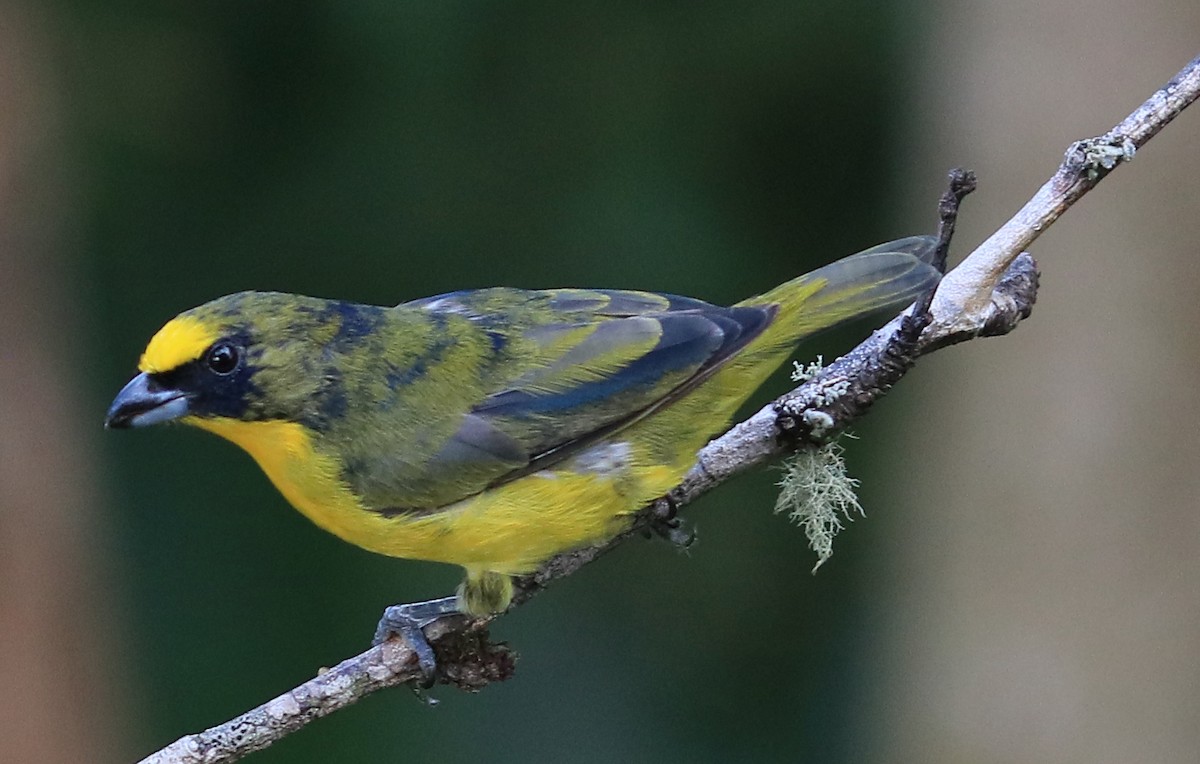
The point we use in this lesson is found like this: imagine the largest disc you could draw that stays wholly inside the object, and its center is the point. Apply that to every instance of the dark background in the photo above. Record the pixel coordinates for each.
(169, 153)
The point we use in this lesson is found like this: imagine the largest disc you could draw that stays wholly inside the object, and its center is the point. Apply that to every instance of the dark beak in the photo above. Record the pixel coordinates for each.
(145, 401)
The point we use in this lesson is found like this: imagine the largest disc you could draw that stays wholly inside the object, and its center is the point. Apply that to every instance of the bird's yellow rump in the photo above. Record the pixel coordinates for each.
(492, 428)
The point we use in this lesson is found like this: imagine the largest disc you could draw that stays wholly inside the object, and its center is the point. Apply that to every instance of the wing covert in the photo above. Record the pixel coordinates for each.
(587, 362)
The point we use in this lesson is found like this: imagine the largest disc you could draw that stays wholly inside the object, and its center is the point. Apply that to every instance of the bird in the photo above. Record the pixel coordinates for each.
(490, 428)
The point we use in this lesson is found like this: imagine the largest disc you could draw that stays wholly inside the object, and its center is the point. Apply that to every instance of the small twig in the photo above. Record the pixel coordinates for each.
(988, 294)
(961, 183)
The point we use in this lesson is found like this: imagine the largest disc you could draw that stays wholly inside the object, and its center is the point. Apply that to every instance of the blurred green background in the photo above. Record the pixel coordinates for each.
(157, 155)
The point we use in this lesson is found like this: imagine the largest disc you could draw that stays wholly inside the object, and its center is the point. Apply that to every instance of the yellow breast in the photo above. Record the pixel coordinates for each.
(508, 529)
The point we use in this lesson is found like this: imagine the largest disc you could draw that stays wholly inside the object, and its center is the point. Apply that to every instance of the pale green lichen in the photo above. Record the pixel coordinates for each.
(803, 373)
(817, 494)
(819, 423)
(1106, 153)
(831, 389)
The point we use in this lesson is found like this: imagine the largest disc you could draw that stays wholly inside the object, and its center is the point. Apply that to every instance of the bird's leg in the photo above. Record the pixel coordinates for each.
(409, 621)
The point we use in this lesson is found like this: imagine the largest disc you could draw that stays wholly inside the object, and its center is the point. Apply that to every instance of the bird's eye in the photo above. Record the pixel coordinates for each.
(223, 358)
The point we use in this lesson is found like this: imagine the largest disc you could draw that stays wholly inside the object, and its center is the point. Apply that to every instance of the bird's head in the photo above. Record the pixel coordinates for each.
(248, 357)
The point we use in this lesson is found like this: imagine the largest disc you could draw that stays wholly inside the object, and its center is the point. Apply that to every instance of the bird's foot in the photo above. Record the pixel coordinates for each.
(675, 530)
(678, 532)
(409, 621)
(668, 525)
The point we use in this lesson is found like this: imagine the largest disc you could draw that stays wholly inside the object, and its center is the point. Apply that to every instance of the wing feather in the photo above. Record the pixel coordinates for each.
(593, 361)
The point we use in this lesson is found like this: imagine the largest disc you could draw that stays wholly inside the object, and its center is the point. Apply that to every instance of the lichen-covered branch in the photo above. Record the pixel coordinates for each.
(987, 294)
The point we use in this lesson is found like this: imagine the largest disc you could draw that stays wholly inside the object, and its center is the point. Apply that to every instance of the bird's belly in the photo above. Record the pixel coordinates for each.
(514, 527)
(507, 529)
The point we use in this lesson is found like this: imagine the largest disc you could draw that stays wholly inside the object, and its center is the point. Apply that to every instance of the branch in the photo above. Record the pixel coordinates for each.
(986, 295)
(964, 295)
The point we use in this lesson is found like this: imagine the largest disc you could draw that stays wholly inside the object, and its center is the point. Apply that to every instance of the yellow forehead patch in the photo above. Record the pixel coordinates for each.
(180, 341)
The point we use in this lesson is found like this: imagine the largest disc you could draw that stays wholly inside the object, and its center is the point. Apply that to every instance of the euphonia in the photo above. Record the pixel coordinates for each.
(491, 428)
